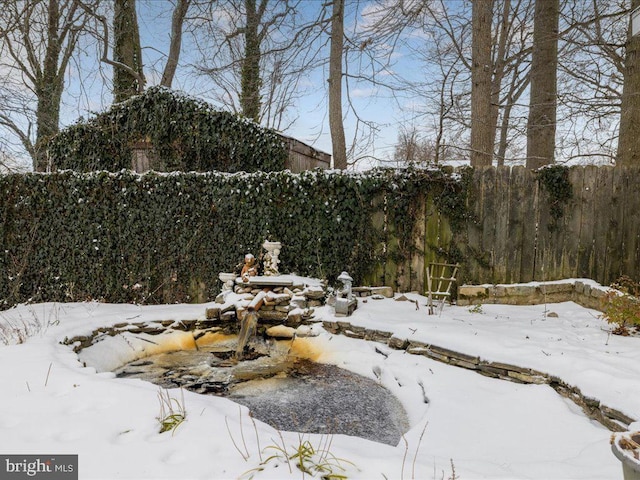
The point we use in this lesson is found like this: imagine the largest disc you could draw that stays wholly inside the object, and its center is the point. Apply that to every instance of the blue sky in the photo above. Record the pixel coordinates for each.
(311, 126)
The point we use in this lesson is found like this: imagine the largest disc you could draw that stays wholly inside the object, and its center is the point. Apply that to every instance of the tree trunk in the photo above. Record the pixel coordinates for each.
(336, 125)
(177, 20)
(499, 74)
(250, 75)
(541, 125)
(48, 90)
(629, 137)
(128, 79)
(481, 74)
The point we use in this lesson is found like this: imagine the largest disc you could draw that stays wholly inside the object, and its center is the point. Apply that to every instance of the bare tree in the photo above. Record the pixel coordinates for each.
(256, 52)
(177, 22)
(336, 124)
(411, 148)
(629, 140)
(128, 77)
(590, 78)
(481, 74)
(541, 128)
(37, 40)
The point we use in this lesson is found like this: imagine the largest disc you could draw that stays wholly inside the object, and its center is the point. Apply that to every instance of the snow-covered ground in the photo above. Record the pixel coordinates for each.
(486, 428)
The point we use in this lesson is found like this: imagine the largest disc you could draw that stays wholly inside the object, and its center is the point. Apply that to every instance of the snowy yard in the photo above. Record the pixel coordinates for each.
(484, 427)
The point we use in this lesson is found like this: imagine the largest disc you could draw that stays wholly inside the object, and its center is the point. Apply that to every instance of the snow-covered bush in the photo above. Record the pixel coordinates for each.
(185, 134)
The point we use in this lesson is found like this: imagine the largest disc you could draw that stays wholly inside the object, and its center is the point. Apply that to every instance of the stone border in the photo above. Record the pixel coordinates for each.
(610, 418)
(152, 327)
(535, 293)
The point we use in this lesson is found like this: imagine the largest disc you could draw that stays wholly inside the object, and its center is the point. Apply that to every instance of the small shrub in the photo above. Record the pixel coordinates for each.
(623, 310)
(627, 285)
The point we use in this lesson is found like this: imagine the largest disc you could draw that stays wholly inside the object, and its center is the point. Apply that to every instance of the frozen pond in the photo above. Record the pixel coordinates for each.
(283, 390)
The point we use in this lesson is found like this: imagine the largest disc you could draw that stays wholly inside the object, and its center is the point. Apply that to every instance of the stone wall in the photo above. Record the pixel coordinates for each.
(583, 292)
(611, 418)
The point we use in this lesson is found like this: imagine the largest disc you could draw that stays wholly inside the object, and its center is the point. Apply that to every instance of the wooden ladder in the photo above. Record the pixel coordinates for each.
(440, 278)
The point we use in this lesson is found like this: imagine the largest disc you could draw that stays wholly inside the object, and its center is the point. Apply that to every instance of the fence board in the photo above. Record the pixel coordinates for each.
(631, 254)
(616, 223)
(585, 250)
(420, 238)
(602, 222)
(489, 221)
(507, 238)
(573, 213)
(500, 247)
(472, 247)
(519, 213)
(529, 232)
(543, 243)
(376, 275)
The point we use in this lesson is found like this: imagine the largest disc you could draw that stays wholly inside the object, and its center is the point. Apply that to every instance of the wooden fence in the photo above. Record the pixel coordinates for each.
(511, 236)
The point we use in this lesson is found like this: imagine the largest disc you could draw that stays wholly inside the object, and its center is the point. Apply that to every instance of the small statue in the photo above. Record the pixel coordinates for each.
(249, 269)
(347, 281)
(270, 259)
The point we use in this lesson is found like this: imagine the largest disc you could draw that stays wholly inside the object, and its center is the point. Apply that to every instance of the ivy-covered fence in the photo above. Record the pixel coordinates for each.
(156, 238)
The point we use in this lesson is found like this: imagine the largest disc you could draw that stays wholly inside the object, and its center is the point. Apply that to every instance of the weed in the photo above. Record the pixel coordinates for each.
(310, 459)
(172, 412)
(476, 308)
(18, 330)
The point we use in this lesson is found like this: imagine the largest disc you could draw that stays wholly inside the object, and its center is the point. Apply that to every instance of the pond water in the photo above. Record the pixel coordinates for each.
(281, 386)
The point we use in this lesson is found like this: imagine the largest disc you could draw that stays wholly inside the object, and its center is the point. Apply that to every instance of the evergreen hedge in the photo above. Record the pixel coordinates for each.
(186, 134)
(156, 238)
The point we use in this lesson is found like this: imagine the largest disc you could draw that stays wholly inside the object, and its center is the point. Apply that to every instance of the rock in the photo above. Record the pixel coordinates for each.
(331, 327)
(386, 292)
(272, 315)
(402, 298)
(228, 308)
(563, 287)
(212, 313)
(277, 298)
(552, 315)
(360, 289)
(280, 331)
(305, 331)
(314, 303)
(229, 316)
(314, 293)
(398, 343)
(294, 319)
(472, 291)
(221, 297)
(352, 334)
(298, 301)
(376, 297)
